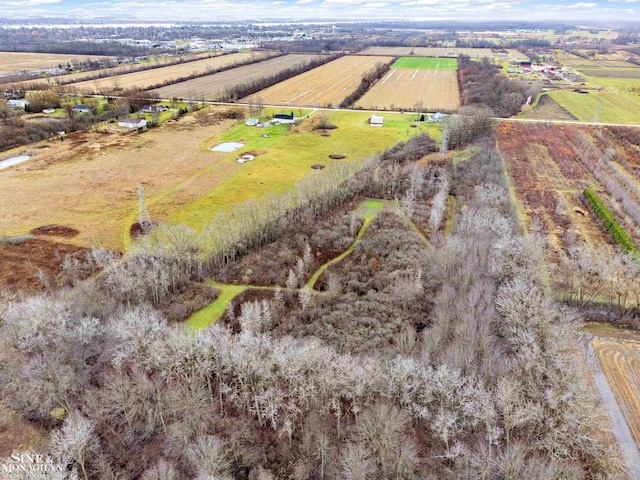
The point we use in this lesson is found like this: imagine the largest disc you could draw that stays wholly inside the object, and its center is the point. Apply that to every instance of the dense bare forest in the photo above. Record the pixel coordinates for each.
(435, 350)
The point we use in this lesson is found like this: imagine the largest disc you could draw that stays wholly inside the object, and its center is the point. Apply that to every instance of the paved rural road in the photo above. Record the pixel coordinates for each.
(498, 119)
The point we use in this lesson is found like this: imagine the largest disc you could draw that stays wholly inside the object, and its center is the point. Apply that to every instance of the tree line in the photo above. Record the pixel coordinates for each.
(482, 84)
(367, 81)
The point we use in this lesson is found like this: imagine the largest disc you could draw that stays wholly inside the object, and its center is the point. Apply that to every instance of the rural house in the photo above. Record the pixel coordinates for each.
(132, 123)
(154, 108)
(81, 109)
(376, 121)
(283, 118)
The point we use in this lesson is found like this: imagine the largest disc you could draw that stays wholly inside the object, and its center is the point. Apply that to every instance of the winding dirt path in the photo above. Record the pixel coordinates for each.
(368, 209)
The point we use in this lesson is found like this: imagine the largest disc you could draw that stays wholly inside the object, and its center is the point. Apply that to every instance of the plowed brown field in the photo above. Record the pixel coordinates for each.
(404, 88)
(322, 86)
(112, 71)
(620, 361)
(149, 78)
(16, 61)
(212, 86)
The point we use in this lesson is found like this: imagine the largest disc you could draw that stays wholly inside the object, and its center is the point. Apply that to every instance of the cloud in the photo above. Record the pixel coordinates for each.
(582, 6)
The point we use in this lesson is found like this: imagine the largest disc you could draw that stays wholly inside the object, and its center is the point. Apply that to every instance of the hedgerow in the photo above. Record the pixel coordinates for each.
(619, 234)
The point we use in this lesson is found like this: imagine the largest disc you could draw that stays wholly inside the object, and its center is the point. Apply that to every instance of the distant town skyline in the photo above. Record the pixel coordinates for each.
(298, 10)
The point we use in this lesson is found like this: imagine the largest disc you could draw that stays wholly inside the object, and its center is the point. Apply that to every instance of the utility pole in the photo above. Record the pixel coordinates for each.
(144, 220)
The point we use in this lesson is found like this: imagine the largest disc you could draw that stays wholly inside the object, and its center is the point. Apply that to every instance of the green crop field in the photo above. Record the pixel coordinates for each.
(286, 156)
(615, 107)
(424, 63)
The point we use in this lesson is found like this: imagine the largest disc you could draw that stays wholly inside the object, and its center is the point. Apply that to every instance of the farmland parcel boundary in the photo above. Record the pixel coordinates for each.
(325, 86)
(44, 83)
(368, 80)
(414, 89)
(212, 87)
(247, 89)
(147, 79)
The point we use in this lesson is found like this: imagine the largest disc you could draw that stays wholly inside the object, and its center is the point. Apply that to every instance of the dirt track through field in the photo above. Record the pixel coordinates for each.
(615, 365)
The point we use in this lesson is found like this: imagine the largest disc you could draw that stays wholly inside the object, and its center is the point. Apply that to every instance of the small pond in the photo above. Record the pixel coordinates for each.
(13, 161)
(227, 147)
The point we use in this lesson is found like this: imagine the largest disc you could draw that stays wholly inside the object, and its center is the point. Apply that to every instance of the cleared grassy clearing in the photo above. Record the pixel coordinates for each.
(615, 107)
(208, 315)
(405, 89)
(288, 157)
(428, 52)
(16, 61)
(210, 87)
(426, 63)
(326, 85)
(148, 78)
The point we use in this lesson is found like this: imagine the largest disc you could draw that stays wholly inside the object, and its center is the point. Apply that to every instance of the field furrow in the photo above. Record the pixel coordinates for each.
(408, 89)
(149, 78)
(211, 87)
(322, 86)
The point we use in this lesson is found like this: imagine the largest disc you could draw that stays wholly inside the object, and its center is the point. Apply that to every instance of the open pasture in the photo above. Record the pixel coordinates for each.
(326, 85)
(426, 63)
(428, 52)
(210, 87)
(17, 61)
(92, 188)
(149, 78)
(613, 107)
(410, 89)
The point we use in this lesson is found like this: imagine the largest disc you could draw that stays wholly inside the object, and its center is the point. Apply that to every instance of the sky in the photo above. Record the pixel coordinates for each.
(569, 11)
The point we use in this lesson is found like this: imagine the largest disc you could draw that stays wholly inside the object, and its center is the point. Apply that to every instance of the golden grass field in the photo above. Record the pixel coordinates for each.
(428, 52)
(322, 86)
(92, 188)
(16, 61)
(211, 87)
(108, 72)
(148, 78)
(404, 88)
(620, 362)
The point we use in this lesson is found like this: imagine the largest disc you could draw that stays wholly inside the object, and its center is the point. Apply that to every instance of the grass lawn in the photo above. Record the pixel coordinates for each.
(424, 63)
(615, 107)
(285, 157)
(213, 312)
